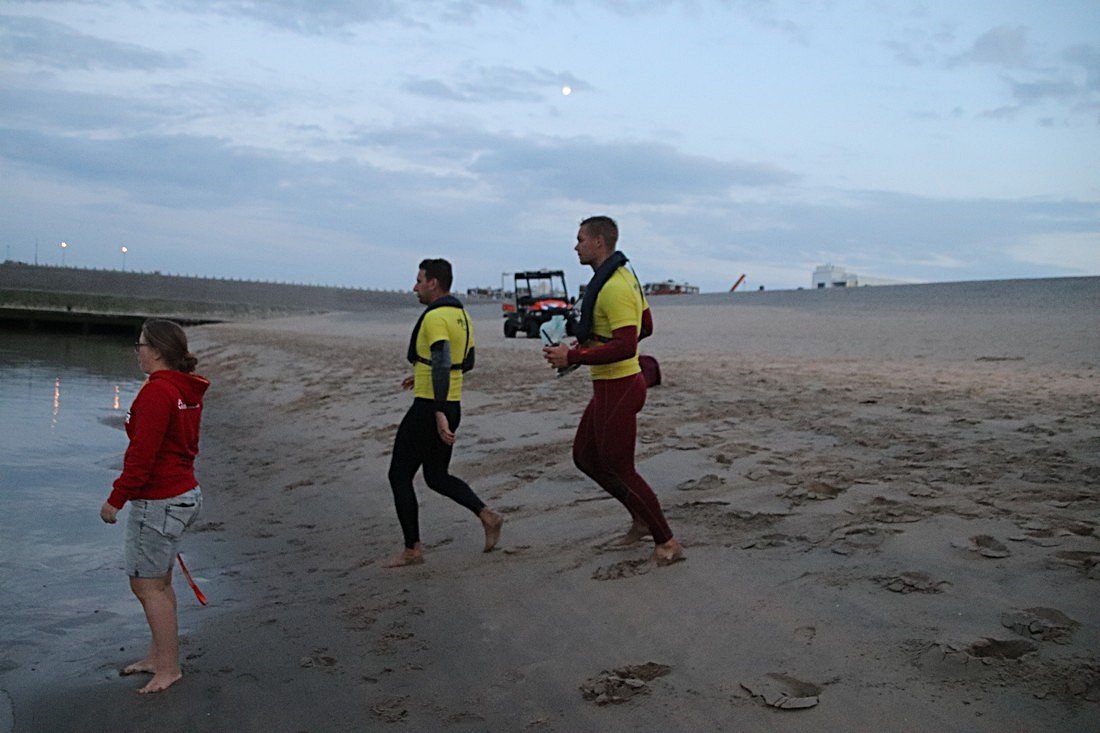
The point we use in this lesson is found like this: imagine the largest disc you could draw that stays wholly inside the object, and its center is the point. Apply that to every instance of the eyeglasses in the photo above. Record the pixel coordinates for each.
(138, 345)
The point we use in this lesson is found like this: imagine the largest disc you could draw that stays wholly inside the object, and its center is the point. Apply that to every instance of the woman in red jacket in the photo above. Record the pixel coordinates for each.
(158, 479)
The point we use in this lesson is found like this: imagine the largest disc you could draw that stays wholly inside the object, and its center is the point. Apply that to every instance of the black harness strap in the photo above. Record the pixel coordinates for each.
(467, 354)
(603, 273)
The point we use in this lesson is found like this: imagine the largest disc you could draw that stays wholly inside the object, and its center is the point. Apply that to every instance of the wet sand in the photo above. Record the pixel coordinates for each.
(889, 502)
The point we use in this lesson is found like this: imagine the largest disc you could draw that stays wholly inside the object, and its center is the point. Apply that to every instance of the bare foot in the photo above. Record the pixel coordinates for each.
(415, 556)
(668, 553)
(143, 666)
(634, 534)
(492, 522)
(161, 682)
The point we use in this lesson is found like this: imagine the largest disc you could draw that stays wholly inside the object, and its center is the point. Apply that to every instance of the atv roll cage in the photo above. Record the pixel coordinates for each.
(537, 296)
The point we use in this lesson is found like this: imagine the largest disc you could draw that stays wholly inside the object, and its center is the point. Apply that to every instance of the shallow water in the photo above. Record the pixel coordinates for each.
(63, 400)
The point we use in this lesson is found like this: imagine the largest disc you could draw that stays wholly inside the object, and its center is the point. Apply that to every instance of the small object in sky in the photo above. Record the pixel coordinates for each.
(566, 90)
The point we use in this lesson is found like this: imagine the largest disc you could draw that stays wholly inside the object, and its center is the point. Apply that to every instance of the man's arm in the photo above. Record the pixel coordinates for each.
(441, 371)
(441, 386)
(647, 324)
(622, 345)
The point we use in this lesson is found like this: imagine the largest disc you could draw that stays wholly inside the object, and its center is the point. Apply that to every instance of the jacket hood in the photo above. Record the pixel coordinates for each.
(191, 386)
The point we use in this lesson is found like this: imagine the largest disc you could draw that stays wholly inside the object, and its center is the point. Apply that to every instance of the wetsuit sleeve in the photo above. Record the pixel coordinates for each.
(441, 372)
(622, 345)
(647, 324)
(149, 418)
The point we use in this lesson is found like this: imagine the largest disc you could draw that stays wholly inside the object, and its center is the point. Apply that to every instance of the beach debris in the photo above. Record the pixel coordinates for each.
(1047, 624)
(710, 481)
(622, 683)
(985, 545)
(912, 581)
(784, 692)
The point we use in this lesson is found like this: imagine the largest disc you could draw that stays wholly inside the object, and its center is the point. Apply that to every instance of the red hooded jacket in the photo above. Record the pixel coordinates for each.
(163, 427)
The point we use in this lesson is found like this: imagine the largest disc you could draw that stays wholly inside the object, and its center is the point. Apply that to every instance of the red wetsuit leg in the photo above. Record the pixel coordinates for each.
(604, 449)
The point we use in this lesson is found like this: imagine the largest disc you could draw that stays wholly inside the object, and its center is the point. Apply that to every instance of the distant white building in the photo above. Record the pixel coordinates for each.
(831, 276)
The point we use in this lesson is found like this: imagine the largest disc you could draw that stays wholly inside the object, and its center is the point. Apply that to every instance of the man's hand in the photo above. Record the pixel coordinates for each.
(444, 429)
(407, 383)
(557, 356)
(108, 513)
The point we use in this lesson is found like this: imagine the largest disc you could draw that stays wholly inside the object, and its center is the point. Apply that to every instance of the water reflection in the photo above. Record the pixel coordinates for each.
(56, 401)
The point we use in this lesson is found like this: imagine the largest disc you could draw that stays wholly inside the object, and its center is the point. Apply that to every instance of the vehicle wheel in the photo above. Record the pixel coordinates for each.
(509, 330)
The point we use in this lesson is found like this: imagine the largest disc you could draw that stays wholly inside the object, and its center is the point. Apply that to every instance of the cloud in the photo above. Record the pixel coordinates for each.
(304, 16)
(1078, 251)
(1033, 92)
(339, 17)
(1004, 46)
(48, 44)
(1088, 59)
(616, 172)
(168, 170)
(497, 84)
(76, 112)
(873, 233)
(209, 207)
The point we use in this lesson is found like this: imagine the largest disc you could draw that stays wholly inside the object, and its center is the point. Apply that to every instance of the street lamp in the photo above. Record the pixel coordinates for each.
(64, 246)
(123, 250)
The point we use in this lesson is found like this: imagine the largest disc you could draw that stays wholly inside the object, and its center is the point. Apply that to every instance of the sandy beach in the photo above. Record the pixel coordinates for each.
(889, 500)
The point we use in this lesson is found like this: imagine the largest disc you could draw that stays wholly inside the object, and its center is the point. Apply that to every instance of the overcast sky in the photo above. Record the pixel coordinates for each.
(339, 142)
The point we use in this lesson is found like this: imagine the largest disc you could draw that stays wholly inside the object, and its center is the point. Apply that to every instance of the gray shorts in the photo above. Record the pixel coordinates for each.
(153, 532)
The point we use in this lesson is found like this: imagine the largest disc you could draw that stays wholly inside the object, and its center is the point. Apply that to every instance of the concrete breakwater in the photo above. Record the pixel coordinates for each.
(44, 296)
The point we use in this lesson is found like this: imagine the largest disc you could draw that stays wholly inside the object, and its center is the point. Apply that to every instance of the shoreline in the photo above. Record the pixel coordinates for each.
(856, 530)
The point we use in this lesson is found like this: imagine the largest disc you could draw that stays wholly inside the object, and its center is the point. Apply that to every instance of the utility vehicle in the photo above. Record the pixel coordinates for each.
(537, 296)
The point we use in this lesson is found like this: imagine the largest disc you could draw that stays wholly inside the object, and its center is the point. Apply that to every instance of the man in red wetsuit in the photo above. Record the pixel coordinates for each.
(614, 317)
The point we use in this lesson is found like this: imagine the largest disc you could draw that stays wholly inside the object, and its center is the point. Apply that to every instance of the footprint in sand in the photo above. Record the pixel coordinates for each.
(623, 569)
(814, 491)
(989, 648)
(985, 545)
(1085, 560)
(1047, 624)
(912, 581)
(710, 481)
(391, 710)
(863, 537)
(955, 660)
(784, 691)
(622, 683)
(777, 540)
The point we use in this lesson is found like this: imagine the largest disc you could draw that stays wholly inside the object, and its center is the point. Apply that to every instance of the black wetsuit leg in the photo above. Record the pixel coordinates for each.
(418, 445)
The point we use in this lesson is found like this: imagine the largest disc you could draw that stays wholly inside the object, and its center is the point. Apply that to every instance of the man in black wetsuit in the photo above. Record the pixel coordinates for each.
(441, 349)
